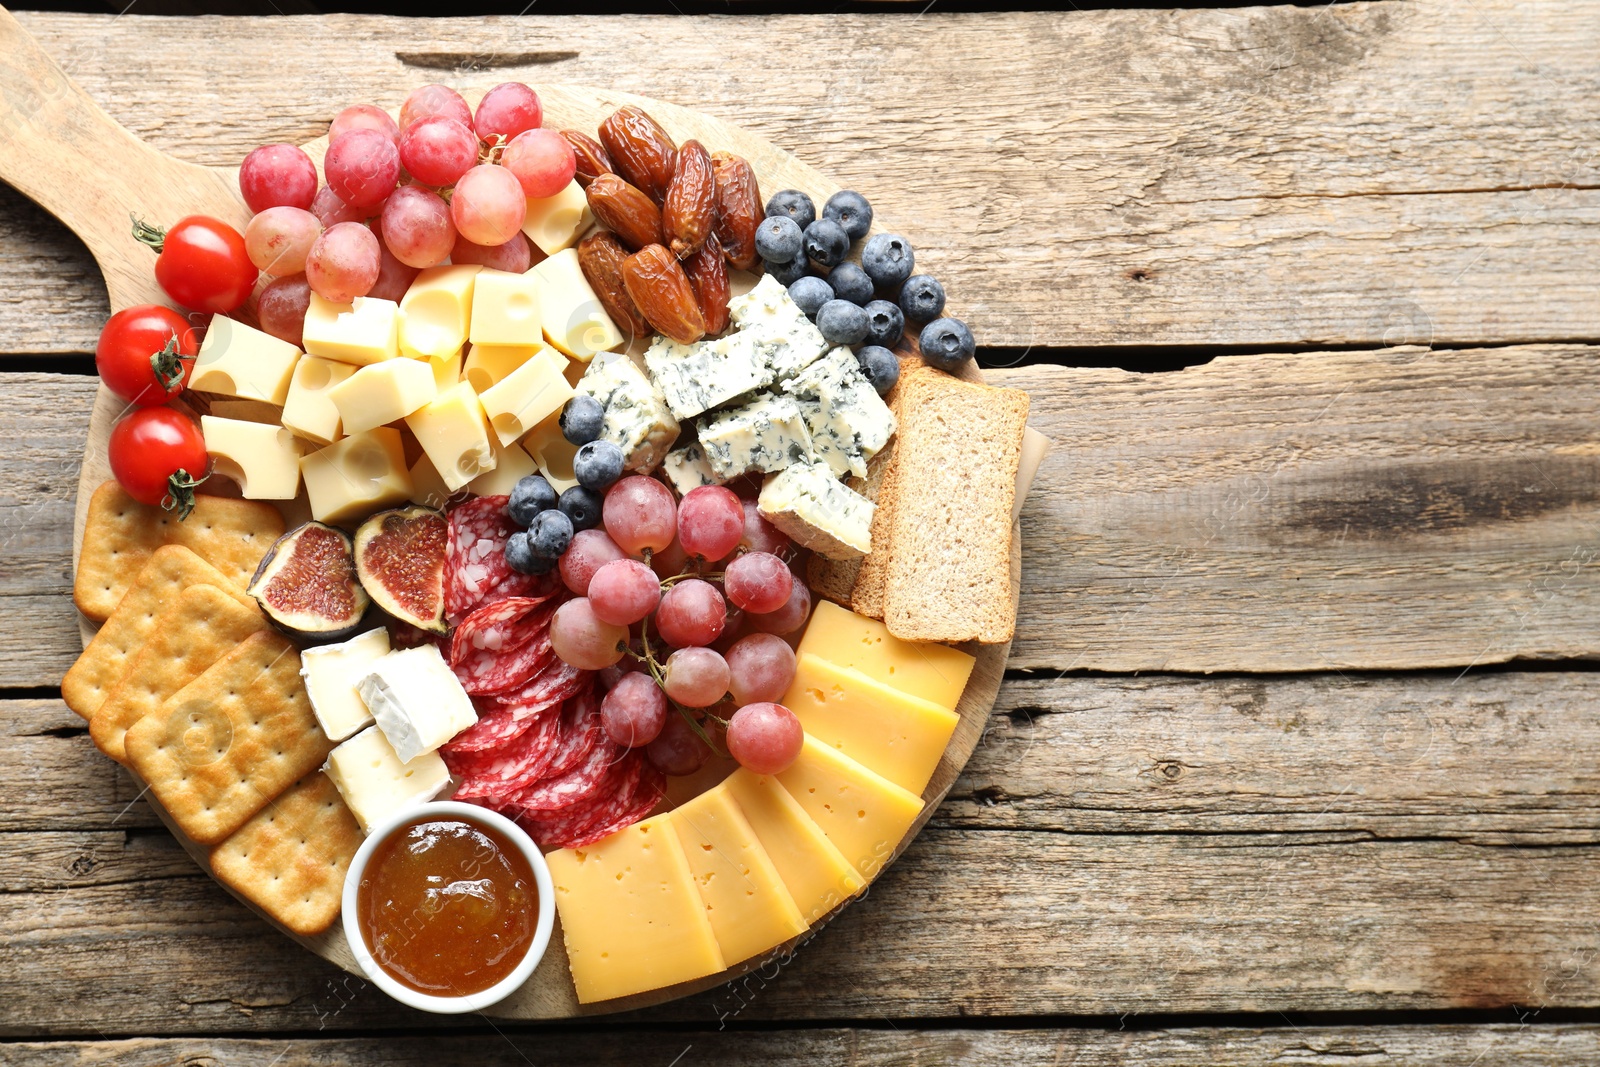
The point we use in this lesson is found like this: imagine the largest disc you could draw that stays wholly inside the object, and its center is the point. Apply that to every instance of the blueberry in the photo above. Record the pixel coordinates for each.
(842, 323)
(886, 323)
(549, 534)
(880, 366)
(788, 273)
(521, 557)
(778, 239)
(946, 344)
(597, 464)
(810, 293)
(887, 259)
(921, 298)
(850, 283)
(850, 210)
(826, 243)
(582, 419)
(529, 496)
(582, 505)
(795, 204)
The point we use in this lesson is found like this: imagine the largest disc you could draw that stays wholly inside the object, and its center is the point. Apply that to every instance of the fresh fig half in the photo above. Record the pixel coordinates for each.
(306, 584)
(400, 561)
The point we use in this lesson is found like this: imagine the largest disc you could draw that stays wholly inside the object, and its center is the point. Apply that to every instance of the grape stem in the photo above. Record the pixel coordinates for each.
(667, 583)
(659, 675)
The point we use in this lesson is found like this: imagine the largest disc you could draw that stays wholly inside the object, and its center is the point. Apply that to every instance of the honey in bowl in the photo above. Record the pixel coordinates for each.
(447, 907)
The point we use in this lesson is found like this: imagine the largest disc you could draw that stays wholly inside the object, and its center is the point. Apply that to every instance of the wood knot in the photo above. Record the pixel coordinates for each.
(1139, 274)
(1171, 770)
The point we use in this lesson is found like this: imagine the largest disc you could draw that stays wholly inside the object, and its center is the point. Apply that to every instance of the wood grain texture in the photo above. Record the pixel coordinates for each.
(1371, 173)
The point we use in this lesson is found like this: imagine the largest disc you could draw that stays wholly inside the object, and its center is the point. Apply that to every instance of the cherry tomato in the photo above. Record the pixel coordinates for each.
(203, 264)
(159, 456)
(145, 354)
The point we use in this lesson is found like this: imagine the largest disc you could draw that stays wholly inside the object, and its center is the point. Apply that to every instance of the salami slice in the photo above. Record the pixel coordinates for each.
(578, 785)
(515, 766)
(405, 635)
(555, 679)
(476, 571)
(497, 726)
(630, 788)
(502, 646)
(580, 731)
(649, 787)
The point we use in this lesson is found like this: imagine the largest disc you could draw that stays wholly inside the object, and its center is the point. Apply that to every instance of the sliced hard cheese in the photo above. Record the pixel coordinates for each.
(746, 901)
(921, 668)
(552, 453)
(630, 914)
(263, 459)
(556, 222)
(382, 393)
(815, 872)
(573, 318)
(331, 673)
(310, 412)
(488, 365)
(376, 783)
(511, 465)
(454, 434)
(864, 814)
(363, 473)
(505, 309)
(239, 360)
(436, 312)
(524, 398)
(361, 332)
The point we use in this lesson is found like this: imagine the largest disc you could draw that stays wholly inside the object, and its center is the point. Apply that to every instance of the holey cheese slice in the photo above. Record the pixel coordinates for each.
(817, 875)
(923, 669)
(864, 814)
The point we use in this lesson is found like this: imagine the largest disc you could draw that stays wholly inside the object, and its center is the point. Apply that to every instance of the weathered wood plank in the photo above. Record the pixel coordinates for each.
(1374, 173)
(1557, 1045)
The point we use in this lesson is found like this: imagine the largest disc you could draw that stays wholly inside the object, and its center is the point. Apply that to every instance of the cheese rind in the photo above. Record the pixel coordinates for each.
(637, 420)
(309, 412)
(239, 360)
(382, 393)
(264, 460)
(505, 309)
(362, 332)
(376, 783)
(436, 312)
(574, 320)
(331, 672)
(817, 875)
(925, 669)
(525, 398)
(356, 476)
(416, 700)
(863, 813)
(453, 432)
(553, 223)
(819, 512)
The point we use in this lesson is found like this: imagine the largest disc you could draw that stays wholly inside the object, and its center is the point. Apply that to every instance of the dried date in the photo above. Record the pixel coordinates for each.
(738, 210)
(707, 270)
(592, 158)
(601, 255)
(689, 211)
(662, 292)
(640, 150)
(625, 211)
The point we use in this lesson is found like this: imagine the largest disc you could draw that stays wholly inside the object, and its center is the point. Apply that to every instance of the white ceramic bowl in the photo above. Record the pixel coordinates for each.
(449, 809)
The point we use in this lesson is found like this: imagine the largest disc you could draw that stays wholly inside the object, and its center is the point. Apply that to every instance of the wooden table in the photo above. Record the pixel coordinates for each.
(1297, 757)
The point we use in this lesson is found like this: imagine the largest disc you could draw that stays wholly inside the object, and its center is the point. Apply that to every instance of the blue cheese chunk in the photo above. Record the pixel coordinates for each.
(638, 420)
(767, 434)
(768, 313)
(848, 421)
(687, 468)
(707, 374)
(818, 511)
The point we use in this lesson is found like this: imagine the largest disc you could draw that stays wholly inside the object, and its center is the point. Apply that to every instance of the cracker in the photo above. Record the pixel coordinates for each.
(231, 740)
(169, 570)
(190, 635)
(120, 534)
(290, 858)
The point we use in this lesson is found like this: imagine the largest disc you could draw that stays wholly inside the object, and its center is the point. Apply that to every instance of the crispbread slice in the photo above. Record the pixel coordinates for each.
(867, 597)
(291, 857)
(169, 570)
(228, 742)
(190, 635)
(120, 534)
(955, 471)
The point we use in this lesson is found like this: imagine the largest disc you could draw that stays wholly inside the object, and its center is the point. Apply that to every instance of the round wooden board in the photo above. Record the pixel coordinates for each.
(549, 994)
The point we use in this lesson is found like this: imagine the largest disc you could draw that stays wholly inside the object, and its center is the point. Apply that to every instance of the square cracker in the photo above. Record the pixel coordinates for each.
(170, 570)
(120, 534)
(190, 635)
(231, 740)
(290, 858)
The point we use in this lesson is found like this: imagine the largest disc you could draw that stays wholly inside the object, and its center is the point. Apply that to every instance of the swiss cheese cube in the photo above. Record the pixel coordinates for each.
(487, 365)
(331, 673)
(921, 668)
(511, 465)
(552, 453)
(453, 432)
(382, 393)
(525, 398)
(630, 914)
(574, 319)
(815, 872)
(364, 331)
(427, 487)
(746, 901)
(310, 412)
(446, 372)
(376, 783)
(436, 312)
(252, 410)
(556, 222)
(239, 360)
(356, 476)
(416, 700)
(864, 814)
(263, 459)
(505, 309)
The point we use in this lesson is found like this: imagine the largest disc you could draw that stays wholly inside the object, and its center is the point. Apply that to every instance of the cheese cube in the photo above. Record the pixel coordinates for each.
(382, 393)
(552, 453)
(488, 365)
(816, 874)
(707, 374)
(505, 309)
(363, 331)
(454, 434)
(749, 907)
(637, 420)
(767, 434)
(524, 398)
(864, 814)
(446, 372)
(848, 421)
(376, 783)
(263, 459)
(253, 410)
(574, 320)
(511, 465)
(310, 412)
(331, 672)
(356, 476)
(925, 669)
(770, 314)
(556, 222)
(416, 700)
(427, 488)
(239, 360)
(436, 312)
(817, 511)
(630, 915)
(687, 468)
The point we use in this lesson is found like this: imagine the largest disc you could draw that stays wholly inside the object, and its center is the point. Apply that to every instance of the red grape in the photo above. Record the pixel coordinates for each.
(542, 160)
(343, 263)
(710, 521)
(416, 226)
(330, 210)
(582, 640)
(760, 668)
(515, 256)
(670, 561)
(279, 239)
(758, 582)
(624, 591)
(488, 206)
(692, 612)
(639, 514)
(634, 711)
(362, 167)
(760, 535)
(587, 553)
(438, 151)
(394, 277)
(277, 175)
(678, 751)
(787, 619)
(364, 117)
(696, 677)
(507, 110)
(281, 308)
(434, 100)
(765, 738)
(746, 486)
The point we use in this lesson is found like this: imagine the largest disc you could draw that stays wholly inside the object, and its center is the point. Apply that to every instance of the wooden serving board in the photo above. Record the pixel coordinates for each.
(67, 154)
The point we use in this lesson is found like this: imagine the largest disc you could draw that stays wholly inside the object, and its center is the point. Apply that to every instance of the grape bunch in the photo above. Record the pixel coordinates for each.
(683, 606)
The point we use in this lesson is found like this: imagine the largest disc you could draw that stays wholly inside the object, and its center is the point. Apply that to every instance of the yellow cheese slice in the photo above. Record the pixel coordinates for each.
(488, 365)
(361, 332)
(382, 393)
(454, 434)
(924, 669)
(511, 465)
(864, 814)
(310, 412)
(356, 476)
(525, 398)
(574, 320)
(264, 460)
(239, 360)
(436, 312)
(746, 901)
(817, 875)
(552, 453)
(895, 734)
(630, 914)
(556, 222)
(505, 309)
